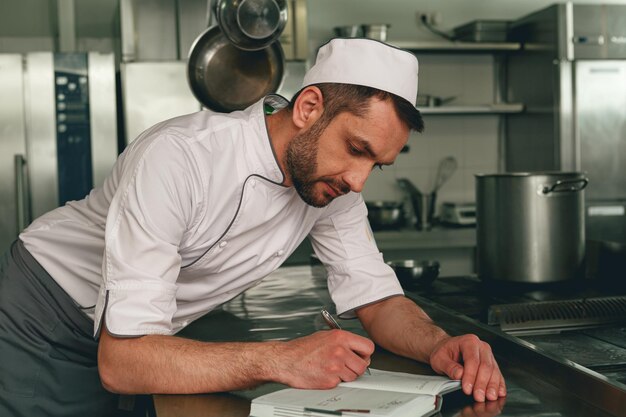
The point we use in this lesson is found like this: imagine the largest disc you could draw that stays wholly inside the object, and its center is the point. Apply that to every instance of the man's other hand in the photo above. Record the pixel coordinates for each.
(469, 359)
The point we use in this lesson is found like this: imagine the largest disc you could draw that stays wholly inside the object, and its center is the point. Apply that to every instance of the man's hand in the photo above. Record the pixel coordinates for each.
(470, 359)
(399, 325)
(323, 359)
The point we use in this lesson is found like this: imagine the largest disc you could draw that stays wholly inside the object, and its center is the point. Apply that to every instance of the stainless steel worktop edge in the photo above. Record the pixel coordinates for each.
(586, 384)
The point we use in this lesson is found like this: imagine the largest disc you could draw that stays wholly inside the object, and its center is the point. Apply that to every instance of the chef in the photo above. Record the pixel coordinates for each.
(200, 208)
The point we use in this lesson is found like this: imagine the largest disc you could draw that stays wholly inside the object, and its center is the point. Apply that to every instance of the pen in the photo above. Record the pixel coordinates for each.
(332, 323)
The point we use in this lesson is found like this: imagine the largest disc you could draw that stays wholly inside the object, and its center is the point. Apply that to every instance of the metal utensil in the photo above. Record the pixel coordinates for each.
(423, 203)
(446, 168)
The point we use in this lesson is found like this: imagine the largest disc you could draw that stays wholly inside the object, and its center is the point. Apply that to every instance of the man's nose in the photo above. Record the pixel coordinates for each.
(357, 176)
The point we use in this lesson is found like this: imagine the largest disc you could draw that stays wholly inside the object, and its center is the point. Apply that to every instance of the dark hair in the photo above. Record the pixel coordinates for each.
(354, 98)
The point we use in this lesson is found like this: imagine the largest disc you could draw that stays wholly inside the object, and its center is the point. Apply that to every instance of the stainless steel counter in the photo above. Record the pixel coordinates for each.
(287, 303)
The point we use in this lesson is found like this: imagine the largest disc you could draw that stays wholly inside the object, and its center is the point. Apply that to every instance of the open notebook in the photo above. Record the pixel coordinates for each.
(383, 393)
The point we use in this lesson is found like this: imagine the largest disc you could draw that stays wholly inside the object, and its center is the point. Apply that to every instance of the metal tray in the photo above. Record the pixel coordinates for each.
(483, 31)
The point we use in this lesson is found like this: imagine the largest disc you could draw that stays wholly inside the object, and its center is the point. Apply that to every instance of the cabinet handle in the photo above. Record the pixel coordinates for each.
(22, 194)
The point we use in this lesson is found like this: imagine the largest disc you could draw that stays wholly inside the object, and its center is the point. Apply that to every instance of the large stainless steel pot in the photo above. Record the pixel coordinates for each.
(530, 226)
(226, 78)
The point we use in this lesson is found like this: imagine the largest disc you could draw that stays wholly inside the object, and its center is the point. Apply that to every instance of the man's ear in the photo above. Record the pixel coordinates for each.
(308, 107)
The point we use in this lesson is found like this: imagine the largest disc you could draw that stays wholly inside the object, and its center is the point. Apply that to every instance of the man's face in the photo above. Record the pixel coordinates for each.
(324, 163)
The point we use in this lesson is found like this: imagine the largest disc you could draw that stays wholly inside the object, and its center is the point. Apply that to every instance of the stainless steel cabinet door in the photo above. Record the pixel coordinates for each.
(600, 105)
(12, 143)
(41, 132)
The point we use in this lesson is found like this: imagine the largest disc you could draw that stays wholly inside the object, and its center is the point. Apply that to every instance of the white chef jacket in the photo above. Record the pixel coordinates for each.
(192, 215)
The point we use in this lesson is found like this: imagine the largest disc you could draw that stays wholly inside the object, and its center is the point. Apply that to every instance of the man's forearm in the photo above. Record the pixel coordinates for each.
(168, 364)
(400, 326)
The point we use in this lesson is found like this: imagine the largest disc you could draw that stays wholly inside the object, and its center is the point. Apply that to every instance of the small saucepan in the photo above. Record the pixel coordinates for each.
(414, 274)
(252, 25)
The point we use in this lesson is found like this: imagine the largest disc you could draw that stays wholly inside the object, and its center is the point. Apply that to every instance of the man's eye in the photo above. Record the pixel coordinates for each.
(354, 150)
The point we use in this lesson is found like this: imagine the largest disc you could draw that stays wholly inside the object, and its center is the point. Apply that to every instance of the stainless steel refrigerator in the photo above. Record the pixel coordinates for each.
(571, 75)
(58, 132)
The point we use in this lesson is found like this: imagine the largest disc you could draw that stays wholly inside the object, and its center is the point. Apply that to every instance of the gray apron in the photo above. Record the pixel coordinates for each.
(48, 356)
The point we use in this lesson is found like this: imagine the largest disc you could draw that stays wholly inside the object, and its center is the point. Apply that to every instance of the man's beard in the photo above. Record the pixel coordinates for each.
(301, 163)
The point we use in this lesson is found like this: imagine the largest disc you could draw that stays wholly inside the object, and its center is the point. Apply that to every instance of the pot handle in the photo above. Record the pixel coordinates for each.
(211, 6)
(565, 185)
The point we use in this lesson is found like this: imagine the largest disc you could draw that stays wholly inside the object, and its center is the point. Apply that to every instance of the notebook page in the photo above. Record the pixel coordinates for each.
(403, 382)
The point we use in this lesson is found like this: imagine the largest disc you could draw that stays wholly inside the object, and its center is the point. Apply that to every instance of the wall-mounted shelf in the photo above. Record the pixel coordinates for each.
(496, 108)
(457, 47)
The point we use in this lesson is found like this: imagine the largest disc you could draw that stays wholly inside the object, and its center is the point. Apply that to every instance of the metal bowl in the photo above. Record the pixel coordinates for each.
(351, 31)
(414, 274)
(225, 78)
(384, 215)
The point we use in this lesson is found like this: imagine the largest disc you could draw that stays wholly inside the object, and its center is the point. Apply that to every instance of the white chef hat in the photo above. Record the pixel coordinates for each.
(366, 62)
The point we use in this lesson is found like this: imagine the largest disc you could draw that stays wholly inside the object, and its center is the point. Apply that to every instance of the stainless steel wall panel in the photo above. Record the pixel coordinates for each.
(41, 131)
(149, 30)
(12, 142)
(102, 114)
(153, 92)
(192, 21)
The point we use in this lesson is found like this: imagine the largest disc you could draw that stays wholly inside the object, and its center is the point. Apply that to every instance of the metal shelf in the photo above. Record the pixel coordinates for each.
(456, 46)
(496, 108)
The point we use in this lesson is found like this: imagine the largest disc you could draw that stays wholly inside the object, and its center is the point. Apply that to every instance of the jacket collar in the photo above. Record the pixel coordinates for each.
(269, 166)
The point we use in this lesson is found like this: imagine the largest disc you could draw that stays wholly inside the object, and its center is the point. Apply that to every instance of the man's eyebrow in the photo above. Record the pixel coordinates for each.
(365, 144)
